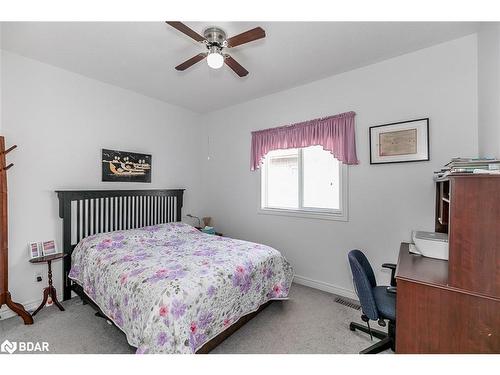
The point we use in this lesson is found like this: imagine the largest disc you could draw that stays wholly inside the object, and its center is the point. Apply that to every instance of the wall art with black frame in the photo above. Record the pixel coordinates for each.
(400, 142)
(125, 166)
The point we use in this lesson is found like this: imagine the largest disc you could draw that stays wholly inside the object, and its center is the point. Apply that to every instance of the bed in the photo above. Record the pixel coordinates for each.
(169, 287)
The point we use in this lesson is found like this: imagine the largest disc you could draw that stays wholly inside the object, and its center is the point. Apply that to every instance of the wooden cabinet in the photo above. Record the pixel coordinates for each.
(468, 209)
(474, 234)
(434, 317)
(454, 306)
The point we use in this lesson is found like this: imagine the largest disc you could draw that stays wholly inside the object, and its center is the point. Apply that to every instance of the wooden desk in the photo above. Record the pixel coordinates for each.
(433, 317)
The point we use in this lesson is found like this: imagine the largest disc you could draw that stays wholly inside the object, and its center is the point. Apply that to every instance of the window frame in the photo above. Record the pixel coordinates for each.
(340, 214)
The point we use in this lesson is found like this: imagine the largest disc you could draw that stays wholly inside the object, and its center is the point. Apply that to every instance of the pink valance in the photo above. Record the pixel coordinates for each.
(334, 133)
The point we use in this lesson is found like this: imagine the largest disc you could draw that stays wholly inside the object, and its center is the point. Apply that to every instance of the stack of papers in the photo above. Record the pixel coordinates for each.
(469, 165)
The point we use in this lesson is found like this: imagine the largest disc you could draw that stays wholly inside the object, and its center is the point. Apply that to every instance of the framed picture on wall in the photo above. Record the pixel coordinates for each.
(400, 142)
(125, 166)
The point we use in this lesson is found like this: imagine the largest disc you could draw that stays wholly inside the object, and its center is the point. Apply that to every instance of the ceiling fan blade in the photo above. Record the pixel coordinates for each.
(247, 36)
(186, 30)
(193, 60)
(235, 65)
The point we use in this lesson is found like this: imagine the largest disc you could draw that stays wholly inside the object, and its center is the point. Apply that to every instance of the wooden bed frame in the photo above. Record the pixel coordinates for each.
(88, 212)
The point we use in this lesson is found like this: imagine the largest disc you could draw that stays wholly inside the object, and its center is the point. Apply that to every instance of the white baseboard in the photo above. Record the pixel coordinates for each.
(325, 287)
(6, 313)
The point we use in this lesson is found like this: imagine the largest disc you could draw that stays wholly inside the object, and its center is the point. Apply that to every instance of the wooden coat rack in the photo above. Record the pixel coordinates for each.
(5, 297)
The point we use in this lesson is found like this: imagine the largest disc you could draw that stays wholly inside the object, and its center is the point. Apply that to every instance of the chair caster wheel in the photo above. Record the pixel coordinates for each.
(352, 327)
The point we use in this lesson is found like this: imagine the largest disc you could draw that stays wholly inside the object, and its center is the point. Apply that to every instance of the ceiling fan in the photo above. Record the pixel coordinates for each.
(216, 41)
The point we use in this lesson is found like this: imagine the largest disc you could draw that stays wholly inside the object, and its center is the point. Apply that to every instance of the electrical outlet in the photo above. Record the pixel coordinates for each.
(38, 277)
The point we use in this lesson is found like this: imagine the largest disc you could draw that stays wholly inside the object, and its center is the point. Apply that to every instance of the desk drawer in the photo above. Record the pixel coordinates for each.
(431, 319)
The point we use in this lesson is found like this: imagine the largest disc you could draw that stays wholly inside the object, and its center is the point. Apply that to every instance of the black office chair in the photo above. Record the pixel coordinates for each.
(377, 302)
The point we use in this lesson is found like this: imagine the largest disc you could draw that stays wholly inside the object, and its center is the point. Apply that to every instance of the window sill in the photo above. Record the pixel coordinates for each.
(304, 214)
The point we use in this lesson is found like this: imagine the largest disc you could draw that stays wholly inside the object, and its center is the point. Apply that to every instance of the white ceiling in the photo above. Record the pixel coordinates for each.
(141, 56)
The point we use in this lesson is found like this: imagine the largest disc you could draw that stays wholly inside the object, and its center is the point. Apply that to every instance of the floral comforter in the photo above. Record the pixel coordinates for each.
(171, 288)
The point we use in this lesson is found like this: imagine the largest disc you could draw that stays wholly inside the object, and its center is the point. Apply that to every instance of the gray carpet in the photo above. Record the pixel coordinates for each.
(310, 322)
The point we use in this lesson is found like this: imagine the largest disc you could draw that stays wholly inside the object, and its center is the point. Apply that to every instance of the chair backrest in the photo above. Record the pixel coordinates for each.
(364, 282)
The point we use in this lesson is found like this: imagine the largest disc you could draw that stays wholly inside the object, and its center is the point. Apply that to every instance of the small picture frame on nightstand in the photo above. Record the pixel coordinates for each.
(35, 249)
(49, 247)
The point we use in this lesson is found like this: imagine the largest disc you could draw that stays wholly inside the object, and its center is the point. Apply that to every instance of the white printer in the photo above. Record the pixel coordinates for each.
(430, 244)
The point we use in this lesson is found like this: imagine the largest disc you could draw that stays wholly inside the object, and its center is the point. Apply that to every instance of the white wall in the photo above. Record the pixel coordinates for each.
(386, 201)
(489, 89)
(60, 121)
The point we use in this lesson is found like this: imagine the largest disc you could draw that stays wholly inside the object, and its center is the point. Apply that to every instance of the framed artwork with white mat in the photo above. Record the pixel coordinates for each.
(400, 142)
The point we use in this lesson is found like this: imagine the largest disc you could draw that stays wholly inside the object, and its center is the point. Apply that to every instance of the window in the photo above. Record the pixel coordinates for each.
(304, 182)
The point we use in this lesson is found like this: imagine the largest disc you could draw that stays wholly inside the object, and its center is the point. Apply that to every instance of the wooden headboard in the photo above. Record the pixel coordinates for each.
(88, 212)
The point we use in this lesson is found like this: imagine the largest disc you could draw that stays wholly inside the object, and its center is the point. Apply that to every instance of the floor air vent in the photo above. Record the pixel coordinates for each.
(348, 303)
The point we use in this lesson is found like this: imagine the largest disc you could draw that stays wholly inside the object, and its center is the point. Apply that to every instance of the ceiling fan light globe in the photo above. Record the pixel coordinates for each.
(215, 60)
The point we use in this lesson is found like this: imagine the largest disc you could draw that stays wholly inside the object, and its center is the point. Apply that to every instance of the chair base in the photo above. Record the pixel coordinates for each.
(386, 340)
